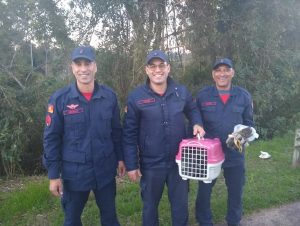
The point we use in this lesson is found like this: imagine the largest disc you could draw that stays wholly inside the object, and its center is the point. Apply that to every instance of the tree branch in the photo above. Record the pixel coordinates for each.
(3, 68)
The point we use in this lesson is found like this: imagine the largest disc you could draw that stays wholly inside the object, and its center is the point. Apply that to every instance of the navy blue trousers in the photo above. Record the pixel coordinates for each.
(73, 203)
(152, 185)
(235, 181)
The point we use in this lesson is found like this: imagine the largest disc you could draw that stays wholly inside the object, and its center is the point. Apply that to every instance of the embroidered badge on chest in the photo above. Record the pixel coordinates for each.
(209, 103)
(72, 106)
(73, 109)
(146, 101)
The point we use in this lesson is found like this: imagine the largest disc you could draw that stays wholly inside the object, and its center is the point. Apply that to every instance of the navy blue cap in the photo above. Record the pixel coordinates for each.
(83, 52)
(156, 54)
(224, 61)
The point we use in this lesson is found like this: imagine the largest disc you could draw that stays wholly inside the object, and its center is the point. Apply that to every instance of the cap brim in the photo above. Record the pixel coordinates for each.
(217, 65)
(82, 57)
(156, 57)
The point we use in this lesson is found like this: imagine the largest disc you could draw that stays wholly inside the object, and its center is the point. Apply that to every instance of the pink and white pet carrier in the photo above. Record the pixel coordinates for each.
(200, 159)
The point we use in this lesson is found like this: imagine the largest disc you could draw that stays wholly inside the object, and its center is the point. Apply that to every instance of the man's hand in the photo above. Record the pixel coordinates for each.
(121, 169)
(197, 129)
(56, 187)
(134, 175)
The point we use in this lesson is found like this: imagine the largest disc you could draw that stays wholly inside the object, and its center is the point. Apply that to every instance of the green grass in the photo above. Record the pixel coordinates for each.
(32, 199)
(269, 183)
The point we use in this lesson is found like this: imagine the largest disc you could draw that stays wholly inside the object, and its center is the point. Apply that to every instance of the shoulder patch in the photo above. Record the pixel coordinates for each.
(48, 120)
(50, 108)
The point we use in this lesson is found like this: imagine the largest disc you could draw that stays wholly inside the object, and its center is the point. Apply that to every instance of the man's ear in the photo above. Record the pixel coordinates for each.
(96, 67)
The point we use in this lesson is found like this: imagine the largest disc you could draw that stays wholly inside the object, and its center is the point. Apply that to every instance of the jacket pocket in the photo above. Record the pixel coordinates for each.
(74, 125)
(237, 112)
(209, 108)
(103, 125)
(72, 156)
(208, 113)
(238, 109)
(69, 170)
(153, 146)
(73, 119)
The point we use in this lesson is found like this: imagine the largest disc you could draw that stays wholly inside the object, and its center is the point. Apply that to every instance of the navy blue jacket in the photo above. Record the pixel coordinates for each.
(219, 119)
(82, 139)
(154, 125)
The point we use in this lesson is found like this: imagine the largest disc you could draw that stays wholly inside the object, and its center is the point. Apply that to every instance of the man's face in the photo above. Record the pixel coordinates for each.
(84, 71)
(222, 76)
(157, 71)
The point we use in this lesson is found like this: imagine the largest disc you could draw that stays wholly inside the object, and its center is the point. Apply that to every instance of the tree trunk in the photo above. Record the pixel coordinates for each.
(296, 156)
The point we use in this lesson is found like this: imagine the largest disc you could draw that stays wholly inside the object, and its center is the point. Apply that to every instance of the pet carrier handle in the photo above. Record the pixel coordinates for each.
(195, 141)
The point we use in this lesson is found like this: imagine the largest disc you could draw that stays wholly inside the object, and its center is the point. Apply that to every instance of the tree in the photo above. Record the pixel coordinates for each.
(23, 87)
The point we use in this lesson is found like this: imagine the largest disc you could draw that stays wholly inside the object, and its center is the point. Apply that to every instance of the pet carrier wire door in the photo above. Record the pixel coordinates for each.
(200, 159)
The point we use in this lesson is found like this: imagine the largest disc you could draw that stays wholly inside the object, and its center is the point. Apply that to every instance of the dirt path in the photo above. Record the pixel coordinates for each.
(285, 215)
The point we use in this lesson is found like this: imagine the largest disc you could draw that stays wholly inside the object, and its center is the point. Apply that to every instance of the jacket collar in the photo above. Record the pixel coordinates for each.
(233, 91)
(98, 91)
(171, 86)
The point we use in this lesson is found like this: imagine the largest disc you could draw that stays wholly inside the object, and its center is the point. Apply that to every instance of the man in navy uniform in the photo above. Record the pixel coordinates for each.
(154, 125)
(82, 142)
(223, 106)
